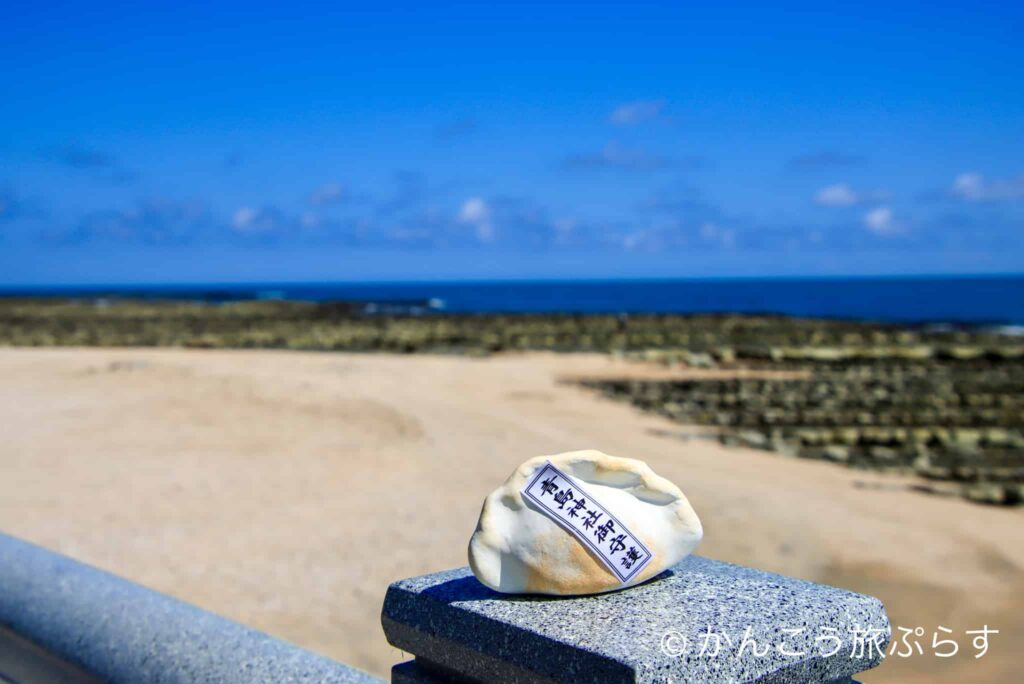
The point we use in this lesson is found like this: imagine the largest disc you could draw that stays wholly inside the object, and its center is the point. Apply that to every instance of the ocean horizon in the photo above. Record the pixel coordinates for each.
(958, 299)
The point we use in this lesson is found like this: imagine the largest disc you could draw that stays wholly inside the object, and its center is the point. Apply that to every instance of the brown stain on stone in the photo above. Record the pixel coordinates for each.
(564, 565)
(582, 571)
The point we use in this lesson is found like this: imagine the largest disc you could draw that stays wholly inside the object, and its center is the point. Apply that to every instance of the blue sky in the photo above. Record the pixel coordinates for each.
(293, 141)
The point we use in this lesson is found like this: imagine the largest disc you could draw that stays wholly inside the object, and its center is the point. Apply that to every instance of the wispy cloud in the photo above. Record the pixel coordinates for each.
(822, 160)
(678, 198)
(273, 224)
(151, 221)
(259, 222)
(675, 233)
(636, 112)
(475, 212)
(97, 163)
(716, 234)
(616, 156)
(679, 217)
(422, 215)
(514, 221)
(842, 195)
(973, 187)
(78, 157)
(881, 221)
(327, 194)
(839, 195)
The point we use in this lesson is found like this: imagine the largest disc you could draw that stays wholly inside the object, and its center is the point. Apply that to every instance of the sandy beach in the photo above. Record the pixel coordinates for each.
(286, 490)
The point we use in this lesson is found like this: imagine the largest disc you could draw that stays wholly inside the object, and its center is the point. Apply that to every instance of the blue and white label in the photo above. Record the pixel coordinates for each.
(563, 500)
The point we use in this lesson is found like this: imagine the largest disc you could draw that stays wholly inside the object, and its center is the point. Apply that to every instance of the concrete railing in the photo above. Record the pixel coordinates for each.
(64, 621)
(700, 621)
(767, 628)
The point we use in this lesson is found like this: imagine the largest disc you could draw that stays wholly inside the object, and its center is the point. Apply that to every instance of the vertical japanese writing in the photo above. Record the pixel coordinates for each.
(565, 501)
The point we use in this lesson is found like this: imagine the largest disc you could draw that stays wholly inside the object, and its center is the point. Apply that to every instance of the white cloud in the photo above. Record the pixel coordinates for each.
(842, 195)
(880, 221)
(474, 210)
(838, 195)
(636, 112)
(633, 240)
(485, 232)
(328, 193)
(728, 239)
(709, 231)
(968, 186)
(617, 156)
(564, 228)
(712, 232)
(243, 218)
(973, 187)
(249, 221)
(477, 213)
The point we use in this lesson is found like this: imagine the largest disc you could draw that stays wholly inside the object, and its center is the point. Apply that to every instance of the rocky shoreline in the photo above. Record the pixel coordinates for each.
(346, 326)
(957, 425)
(943, 403)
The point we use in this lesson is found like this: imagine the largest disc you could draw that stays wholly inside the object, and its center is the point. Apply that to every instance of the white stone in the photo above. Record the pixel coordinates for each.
(518, 549)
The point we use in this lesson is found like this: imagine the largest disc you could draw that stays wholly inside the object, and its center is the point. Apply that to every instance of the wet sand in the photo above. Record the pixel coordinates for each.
(286, 490)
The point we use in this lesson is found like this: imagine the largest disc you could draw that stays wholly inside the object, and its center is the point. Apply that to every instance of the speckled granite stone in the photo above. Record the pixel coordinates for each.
(121, 632)
(418, 672)
(449, 618)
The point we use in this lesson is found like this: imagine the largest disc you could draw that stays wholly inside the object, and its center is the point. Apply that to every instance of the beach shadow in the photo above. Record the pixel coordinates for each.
(471, 589)
(462, 589)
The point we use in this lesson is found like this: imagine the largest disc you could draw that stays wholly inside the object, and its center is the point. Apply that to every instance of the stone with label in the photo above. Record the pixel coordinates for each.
(582, 522)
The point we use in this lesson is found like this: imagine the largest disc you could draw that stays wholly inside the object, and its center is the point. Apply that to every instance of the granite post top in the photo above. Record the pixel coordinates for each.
(769, 628)
(105, 628)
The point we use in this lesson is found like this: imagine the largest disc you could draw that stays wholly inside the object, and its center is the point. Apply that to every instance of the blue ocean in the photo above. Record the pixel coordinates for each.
(979, 300)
